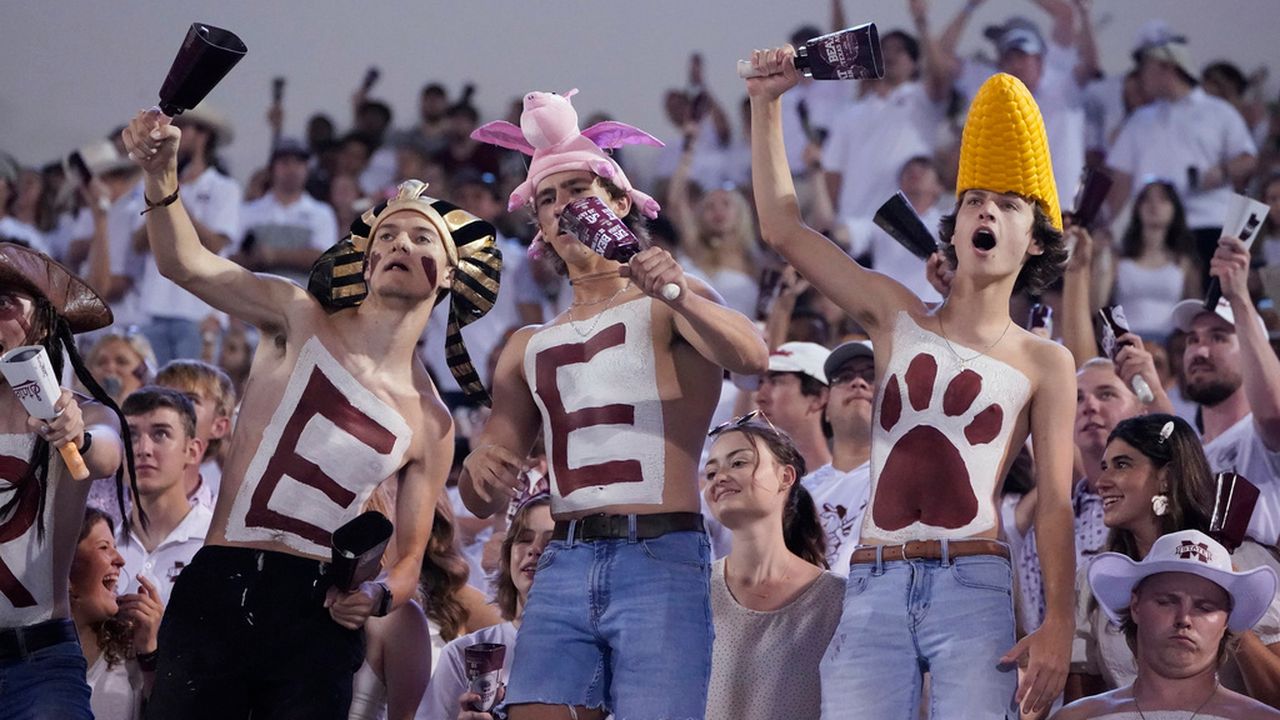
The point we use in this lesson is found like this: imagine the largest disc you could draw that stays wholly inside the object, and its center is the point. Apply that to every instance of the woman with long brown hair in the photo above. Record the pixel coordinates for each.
(774, 604)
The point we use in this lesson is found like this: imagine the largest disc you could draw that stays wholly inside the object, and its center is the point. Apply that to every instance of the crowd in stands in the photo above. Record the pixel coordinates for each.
(1178, 133)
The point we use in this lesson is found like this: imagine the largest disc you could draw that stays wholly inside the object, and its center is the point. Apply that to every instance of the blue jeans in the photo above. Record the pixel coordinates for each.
(619, 624)
(48, 684)
(174, 339)
(953, 619)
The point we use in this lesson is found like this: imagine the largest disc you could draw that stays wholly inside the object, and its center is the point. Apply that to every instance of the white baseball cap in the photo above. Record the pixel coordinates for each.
(1185, 313)
(805, 358)
(1113, 576)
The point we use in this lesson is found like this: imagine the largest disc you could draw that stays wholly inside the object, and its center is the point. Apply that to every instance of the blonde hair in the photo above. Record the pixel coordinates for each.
(194, 376)
(137, 342)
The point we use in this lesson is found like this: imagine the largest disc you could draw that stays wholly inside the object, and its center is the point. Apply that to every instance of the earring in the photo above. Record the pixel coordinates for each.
(1160, 505)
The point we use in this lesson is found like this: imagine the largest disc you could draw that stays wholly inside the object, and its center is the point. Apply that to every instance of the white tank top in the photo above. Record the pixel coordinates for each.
(1148, 295)
(596, 384)
(940, 431)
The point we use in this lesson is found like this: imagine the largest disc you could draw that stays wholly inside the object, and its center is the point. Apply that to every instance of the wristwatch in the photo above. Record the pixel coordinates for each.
(384, 604)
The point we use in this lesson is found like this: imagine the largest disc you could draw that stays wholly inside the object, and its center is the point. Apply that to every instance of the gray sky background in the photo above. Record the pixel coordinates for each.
(74, 70)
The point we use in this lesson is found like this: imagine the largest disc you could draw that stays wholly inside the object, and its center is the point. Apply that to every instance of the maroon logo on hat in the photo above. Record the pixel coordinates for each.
(1189, 550)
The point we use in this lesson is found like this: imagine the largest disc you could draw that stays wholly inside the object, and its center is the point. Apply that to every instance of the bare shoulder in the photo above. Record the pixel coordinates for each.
(1090, 707)
(1233, 704)
(1048, 362)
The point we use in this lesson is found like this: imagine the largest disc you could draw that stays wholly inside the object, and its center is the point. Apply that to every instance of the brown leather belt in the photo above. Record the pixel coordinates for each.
(930, 550)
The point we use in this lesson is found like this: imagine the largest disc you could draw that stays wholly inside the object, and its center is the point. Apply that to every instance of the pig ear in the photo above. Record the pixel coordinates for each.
(503, 134)
(569, 94)
(613, 134)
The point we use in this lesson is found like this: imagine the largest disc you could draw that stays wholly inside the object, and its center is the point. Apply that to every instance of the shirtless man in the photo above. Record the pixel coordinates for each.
(335, 404)
(622, 386)
(960, 388)
(42, 672)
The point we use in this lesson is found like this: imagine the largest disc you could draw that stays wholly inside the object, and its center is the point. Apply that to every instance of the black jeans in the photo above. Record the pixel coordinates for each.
(246, 635)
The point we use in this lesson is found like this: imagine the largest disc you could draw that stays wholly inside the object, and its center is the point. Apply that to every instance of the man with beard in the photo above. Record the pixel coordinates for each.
(1232, 372)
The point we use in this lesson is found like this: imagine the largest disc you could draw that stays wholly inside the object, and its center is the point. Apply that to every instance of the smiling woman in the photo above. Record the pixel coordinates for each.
(773, 604)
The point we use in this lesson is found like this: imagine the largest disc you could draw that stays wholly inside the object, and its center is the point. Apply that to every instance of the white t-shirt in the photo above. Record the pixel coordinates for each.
(162, 565)
(825, 101)
(307, 223)
(213, 200)
(873, 138)
(888, 256)
(116, 692)
(70, 227)
(1163, 139)
(13, 229)
(449, 678)
(1240, 450)
(841, 499)
(123, 219)
(1061, 102)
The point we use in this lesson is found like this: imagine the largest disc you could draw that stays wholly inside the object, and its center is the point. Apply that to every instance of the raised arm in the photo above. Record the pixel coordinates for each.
(944, 53)
(259, 300)
(940, 68)
(1089, 65)
(869, 297)
(491, 473)
(1258, 362)
(1077, 321)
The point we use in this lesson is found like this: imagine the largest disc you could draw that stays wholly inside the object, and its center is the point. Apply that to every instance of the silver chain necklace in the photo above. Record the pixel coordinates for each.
(984, 351)
(591, 330)
(1193, 715)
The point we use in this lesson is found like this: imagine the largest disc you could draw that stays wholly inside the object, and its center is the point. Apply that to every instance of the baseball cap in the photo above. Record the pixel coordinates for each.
(289, 147)
(1113, 576)
(805, 358)
(1185, 312)
(1017, 33)
(1157, 41)
(844, 353)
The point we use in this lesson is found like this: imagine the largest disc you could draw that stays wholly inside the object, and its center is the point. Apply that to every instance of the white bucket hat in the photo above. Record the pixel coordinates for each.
(1113, 576)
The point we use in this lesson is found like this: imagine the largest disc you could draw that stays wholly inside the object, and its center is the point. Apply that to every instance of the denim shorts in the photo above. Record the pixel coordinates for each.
(619, 624)
(903, 617)
(48, 684)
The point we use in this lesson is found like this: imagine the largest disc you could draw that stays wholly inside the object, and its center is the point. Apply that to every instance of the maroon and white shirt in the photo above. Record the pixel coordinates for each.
(941, 428)
(329, 444)
(596, 384)
(26, 562)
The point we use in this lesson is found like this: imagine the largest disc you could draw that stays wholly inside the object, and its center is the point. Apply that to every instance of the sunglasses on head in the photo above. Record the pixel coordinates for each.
(740, 422)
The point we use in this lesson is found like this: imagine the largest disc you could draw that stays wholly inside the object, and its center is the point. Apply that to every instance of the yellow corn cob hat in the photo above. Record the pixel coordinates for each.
(1004, 148)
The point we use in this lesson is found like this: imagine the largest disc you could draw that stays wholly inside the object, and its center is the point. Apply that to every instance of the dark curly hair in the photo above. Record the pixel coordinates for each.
(801, 526)
(115, 636)
(1040, 271)
(1189, 479)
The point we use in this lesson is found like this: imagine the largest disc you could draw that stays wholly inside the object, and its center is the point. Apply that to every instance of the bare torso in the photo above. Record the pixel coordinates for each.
(687, 390)
(312, 440)
(933, 507)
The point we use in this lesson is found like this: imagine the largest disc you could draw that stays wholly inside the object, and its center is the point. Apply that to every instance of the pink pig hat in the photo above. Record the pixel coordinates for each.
(549, 133)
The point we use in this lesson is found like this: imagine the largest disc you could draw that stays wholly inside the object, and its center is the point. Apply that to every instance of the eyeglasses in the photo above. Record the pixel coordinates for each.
(740, 422)
(848, 375)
